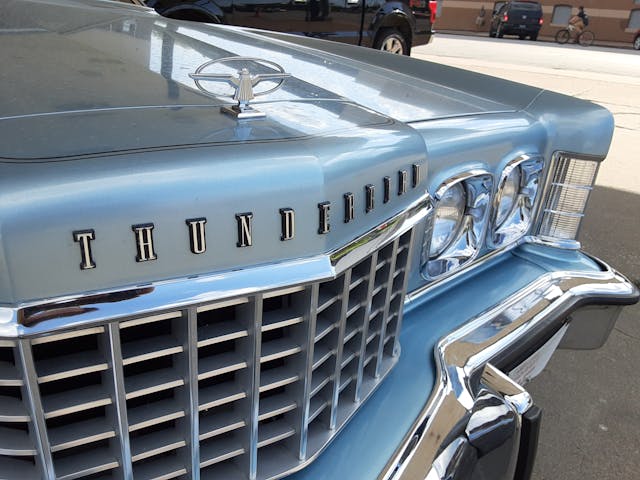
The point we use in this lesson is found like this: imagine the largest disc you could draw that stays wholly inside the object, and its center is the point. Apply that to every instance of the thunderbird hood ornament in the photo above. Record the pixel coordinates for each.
(242, 82)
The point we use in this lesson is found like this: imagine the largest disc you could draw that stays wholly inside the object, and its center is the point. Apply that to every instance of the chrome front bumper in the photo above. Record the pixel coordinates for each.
(478, 422)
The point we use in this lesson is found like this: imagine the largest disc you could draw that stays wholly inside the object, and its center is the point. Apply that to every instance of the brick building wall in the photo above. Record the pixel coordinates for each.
(610, 20)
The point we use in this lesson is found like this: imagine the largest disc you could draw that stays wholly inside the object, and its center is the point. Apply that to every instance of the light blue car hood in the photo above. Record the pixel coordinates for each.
(75, 68)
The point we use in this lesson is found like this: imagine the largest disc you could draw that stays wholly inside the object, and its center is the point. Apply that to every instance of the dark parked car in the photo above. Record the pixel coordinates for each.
(523, 19)
(393, 26)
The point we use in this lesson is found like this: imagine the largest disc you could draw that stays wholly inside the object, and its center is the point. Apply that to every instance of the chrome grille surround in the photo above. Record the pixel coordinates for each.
(190, 380)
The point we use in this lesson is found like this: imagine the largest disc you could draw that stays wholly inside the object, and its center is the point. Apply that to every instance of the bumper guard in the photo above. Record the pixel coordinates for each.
(480, 423)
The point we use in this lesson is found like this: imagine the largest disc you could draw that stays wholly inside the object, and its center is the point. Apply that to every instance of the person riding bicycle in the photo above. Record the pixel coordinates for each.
(578, 22)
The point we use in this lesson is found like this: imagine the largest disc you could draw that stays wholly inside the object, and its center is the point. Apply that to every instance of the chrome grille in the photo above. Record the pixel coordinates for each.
(248, 387)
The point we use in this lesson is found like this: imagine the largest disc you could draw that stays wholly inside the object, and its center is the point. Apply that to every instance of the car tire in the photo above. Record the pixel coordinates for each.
(533, 37)
(391, 40)
(522, 37)
(636, 43)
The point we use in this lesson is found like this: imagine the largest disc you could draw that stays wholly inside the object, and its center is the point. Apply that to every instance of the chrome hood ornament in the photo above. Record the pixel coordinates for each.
(243, 82)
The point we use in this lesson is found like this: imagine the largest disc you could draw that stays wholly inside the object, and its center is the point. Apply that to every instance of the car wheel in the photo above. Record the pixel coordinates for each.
(390, 40)
(499, 33)
(533, 36)
(522, 37)
(636, 43)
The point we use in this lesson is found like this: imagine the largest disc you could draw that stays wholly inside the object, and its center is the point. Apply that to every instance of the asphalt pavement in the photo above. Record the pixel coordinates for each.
(590, 399)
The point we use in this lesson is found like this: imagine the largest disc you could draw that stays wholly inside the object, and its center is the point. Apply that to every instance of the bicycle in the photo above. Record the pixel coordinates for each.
(585, 38)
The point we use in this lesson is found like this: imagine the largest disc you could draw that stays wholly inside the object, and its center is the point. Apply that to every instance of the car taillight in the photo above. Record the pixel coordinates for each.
(505, 18)
(433, 7)
(541, 21)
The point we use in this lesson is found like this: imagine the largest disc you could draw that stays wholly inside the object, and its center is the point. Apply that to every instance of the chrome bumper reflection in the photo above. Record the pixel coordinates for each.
(456, 425)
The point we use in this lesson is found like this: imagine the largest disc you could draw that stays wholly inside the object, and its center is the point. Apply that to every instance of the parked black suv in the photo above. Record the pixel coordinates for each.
(394, 25)
(523, 19)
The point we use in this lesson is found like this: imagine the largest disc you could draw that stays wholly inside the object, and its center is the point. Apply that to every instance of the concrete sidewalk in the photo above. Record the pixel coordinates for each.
(541, 38)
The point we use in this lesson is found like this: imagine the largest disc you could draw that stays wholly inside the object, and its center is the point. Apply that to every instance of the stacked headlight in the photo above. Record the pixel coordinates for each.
(454, 234)
(515, 200)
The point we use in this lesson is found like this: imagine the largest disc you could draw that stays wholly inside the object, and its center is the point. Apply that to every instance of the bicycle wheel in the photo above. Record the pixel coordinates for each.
(586, 38)
(563, 36)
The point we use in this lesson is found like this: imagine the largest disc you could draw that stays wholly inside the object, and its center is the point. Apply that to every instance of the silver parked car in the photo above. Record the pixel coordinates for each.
(239, 254)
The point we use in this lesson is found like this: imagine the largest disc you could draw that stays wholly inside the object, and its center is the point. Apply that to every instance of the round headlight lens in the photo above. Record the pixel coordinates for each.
(508, 195)
(448, 216)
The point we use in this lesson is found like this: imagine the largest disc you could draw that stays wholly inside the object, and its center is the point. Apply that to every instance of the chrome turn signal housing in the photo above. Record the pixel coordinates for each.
(455, 233)
(513, 206)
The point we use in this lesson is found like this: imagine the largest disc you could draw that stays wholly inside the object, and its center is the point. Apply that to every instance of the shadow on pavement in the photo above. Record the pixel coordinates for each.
(591, 424)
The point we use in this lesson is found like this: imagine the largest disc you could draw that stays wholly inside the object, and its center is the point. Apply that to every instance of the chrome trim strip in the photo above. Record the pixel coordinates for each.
(385, 313)
(367, 314)
(190, 346)
(118, 393)
(254, 393)
(461, 355)
(35, 407)
(49, 315)
(553, 242)
(344, 306)
(448, 183)
(306, 388)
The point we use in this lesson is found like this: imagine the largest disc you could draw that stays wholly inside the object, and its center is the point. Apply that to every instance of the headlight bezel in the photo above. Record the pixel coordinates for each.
(454, 231)
(469, 238)
(521, 217)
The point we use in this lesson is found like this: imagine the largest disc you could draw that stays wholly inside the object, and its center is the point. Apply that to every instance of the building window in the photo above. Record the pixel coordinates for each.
(561, 15)
(634, 20)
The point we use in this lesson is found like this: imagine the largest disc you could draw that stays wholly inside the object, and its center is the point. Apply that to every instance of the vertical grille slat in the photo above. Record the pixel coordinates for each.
(242, 388)
(35, 408)
(193, 396)
(118, 393)
(342, 320)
